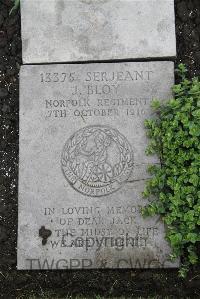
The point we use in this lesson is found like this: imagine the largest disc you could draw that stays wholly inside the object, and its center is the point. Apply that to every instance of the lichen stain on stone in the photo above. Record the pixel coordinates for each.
(96, 36)
(25, 43)
(44, 234)
(144, 43)
(163, 26)
(60, 7)
(103, 257)
(94, 1)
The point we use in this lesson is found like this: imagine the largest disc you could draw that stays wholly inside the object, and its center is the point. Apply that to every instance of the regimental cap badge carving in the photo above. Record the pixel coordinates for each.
(97, 160)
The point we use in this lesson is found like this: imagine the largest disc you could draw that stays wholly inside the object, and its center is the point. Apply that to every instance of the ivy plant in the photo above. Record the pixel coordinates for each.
(174, 188)
(16, 4)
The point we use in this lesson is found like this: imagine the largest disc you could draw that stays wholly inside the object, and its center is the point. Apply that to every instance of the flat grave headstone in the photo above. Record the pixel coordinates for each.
(82, 166)
(84, 30)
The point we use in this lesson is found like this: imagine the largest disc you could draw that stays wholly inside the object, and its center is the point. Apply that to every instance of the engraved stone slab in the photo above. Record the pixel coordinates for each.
(83, 166)
(83, 30)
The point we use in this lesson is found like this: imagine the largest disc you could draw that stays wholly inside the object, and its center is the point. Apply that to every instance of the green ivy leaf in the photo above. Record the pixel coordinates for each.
(194, 179)
(194, 129)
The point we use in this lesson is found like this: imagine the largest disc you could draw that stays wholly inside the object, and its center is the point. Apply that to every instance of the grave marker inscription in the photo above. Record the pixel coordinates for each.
(83, 166)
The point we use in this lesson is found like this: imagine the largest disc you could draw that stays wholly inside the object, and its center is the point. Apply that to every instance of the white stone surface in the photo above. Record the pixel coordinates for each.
(82, 165)
(83, 30)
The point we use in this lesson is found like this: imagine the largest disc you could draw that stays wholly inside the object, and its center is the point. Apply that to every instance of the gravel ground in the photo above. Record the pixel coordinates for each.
(128, 283)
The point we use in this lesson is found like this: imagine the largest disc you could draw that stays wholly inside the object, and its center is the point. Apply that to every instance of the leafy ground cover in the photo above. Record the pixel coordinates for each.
(174, 188)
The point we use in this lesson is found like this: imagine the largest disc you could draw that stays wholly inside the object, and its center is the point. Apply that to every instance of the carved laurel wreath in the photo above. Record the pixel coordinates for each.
(126, 155)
